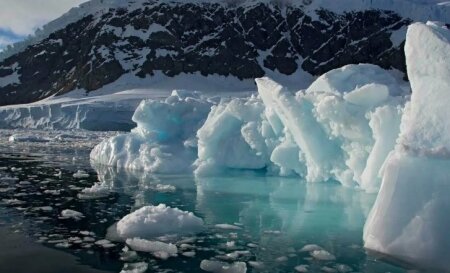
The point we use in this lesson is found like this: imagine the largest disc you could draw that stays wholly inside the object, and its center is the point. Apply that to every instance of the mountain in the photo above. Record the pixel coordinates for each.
(102, 41)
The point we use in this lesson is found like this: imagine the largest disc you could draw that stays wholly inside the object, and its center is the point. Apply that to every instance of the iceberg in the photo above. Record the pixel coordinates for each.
(164, 139)
(409, 220)
(341, 128)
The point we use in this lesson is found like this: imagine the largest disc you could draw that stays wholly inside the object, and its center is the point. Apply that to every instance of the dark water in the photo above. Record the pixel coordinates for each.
(276, 218)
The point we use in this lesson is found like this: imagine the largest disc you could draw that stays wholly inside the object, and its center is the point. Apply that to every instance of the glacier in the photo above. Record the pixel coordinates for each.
(409, 220)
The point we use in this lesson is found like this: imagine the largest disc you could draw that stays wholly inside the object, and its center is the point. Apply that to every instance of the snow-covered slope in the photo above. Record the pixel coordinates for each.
(410, 217)
(242, 40)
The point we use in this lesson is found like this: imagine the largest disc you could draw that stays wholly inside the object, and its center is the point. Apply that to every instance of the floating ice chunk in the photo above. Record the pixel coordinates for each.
(44, 208)
(152, 221)
(81, 174)
(343, 268)
(221, 267)
(105, 243)
(27, 138)
(328, 269)
(322, 255)
(227, 226)
(303, 268)
(139, 267)
(409, 219)
(13, 202)
(165, 188)
(68, 213)
(256, 264)
(189, 254)
(98, 190)
(310, 248)
(159, 249)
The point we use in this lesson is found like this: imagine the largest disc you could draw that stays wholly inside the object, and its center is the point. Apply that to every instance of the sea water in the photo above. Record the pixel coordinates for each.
(273, 224)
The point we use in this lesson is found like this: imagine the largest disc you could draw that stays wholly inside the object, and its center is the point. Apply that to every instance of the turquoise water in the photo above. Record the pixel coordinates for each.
(276, 217)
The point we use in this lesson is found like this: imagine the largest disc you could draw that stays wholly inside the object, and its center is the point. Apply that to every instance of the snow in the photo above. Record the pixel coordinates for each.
(152, 221)
(11, 79)
(417, 10)
(409, 220)
(112, 106)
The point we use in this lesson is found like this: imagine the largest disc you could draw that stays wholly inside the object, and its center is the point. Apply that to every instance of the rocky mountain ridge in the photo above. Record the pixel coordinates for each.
(207, 38)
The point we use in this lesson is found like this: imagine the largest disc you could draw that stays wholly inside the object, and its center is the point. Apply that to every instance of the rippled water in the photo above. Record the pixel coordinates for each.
(274, 218)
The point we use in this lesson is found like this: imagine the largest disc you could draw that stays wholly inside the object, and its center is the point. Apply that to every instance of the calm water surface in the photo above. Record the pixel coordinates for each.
(275, 217)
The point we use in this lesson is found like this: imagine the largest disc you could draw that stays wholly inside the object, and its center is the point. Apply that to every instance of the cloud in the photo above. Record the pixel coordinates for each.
(23, 17)
(7, 37)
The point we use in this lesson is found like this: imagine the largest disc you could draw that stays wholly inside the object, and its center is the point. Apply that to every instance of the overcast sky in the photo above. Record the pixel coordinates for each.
(19, 18)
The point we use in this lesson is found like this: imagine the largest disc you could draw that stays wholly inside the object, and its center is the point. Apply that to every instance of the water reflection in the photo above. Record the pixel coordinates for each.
(277, 216)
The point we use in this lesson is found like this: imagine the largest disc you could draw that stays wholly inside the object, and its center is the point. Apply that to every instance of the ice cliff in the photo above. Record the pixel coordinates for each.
(410, 217)
(342, 127)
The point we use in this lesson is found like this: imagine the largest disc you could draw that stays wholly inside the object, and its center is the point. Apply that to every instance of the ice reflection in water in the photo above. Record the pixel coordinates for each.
(277, 216)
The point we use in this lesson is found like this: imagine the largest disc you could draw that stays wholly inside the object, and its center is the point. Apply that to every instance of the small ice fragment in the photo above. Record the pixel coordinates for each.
(158, 249)
(301, 268)
(228, 227)
(105, 243)
(343, 268)
(322, 255)
(309, 248)
(281, 259)
(164, 188)
(80, 174)
(140, 267)
(256, 264)
(222, 267)
(73, 214)
(189, 254)
(328, 269)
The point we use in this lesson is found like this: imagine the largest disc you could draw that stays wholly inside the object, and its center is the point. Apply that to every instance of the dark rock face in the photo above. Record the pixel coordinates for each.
(206, 38)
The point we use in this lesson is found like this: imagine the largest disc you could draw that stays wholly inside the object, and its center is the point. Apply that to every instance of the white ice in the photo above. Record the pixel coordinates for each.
(152, 221)
(159, 249)
(72, 214)
(164, 139)
(341, 128)
(410, 217)
(222, 267)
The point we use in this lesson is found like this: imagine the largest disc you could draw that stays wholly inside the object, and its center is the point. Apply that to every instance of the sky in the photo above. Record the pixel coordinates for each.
(19, 18)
